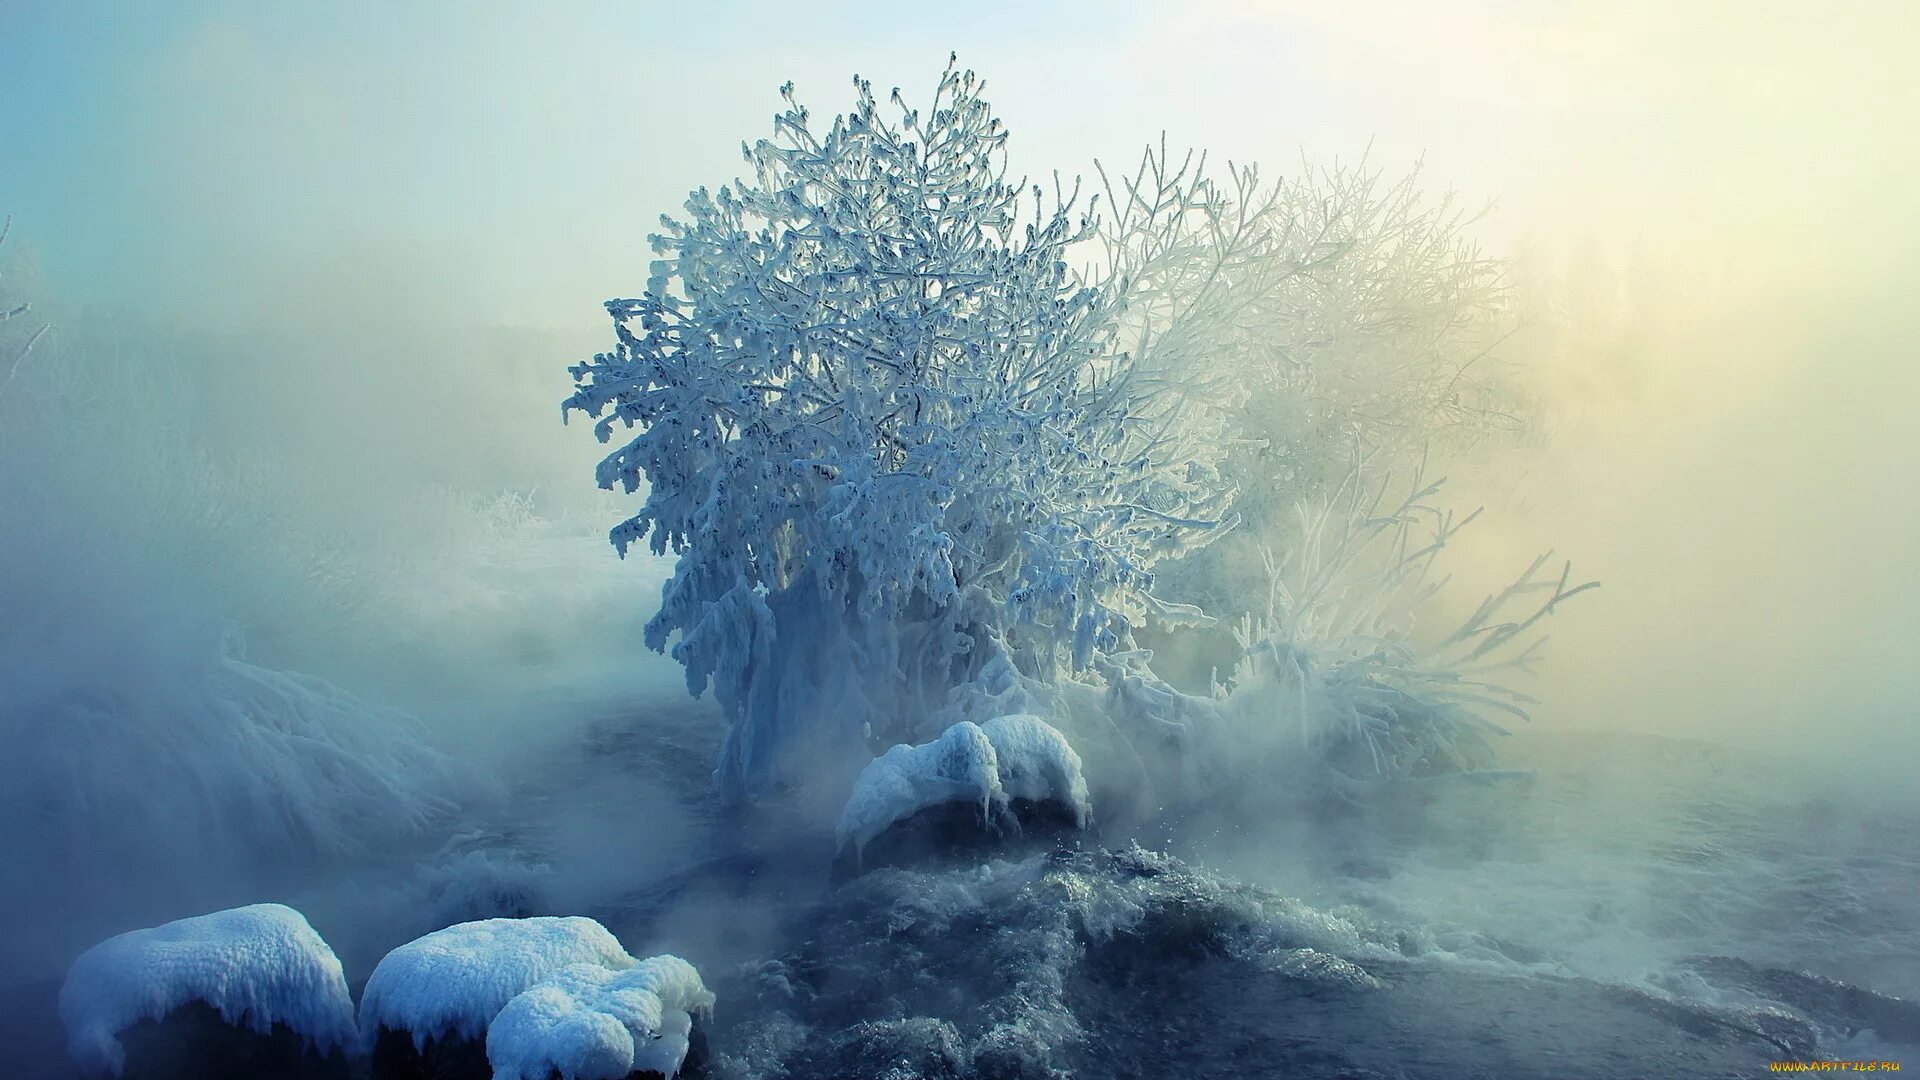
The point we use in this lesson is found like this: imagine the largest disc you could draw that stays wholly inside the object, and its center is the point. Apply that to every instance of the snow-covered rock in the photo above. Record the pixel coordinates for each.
(1035, 762)
(958, 767)
(989, 764)
(452, 982)
(258, 966)
(590, 1022)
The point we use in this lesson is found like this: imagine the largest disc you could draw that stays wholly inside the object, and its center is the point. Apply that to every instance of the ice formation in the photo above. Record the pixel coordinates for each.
(590, 1022)
(454, 981)
(988, 764)
(259, 966)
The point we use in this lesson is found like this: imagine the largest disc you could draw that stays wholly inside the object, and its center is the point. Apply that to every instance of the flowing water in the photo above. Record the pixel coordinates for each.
(1628, 906)
(1633, 906)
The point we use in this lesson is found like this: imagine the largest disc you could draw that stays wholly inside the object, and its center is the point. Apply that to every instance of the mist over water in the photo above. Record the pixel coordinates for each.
(314, 280)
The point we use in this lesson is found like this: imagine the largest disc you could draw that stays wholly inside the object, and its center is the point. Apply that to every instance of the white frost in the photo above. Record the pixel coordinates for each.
(1008, 757)
(590, 1022)
(454, 981)
(258, 965)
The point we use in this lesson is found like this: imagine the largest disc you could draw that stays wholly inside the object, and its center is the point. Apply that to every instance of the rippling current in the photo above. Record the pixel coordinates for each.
(1626, 906)
(1630, 907)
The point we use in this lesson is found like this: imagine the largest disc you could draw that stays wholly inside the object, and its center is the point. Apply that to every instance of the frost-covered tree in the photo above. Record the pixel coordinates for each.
(890, 433)
(1333, 309)
(1392, 341)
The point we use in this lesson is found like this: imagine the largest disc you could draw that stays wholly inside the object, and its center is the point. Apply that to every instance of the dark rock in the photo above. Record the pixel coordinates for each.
(455, 1058)
(954, 834)
(446, 1058)
(194, 1043)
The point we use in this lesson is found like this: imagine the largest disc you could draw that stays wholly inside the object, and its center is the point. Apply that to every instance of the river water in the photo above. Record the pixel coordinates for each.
(1626, 906)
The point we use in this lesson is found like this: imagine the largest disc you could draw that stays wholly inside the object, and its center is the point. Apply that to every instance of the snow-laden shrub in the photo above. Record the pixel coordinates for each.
(453, 982)
(161, 751)
(889, 432)
(150, 588)
(1335, 687)
(589, 1022)
(1339, 635)
(257, 966)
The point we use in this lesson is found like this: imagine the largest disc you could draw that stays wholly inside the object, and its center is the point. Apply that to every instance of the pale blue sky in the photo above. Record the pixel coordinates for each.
(268, 146)
(237, 154)
(504, 160)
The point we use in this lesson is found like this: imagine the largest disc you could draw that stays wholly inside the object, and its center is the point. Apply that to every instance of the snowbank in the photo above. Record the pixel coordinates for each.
(454, 981)
(1008, 757)
(590, 1022)
(259, 966)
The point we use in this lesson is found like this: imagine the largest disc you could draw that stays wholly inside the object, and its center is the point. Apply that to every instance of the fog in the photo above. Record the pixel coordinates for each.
(347, 252)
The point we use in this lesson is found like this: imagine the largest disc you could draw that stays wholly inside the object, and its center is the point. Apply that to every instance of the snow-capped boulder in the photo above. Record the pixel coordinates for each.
(258, 966)
(590, 1022)
(451, 983)
(957, 767)
(989, 765)
(1036, 763)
